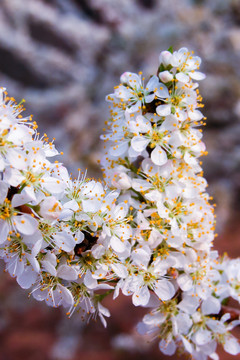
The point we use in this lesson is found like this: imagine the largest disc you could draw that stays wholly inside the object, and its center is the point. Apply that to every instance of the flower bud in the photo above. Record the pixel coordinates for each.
(165, 76)
(165, 58)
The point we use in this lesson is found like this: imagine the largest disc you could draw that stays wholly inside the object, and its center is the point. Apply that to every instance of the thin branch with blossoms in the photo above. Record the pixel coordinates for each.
(147, 230)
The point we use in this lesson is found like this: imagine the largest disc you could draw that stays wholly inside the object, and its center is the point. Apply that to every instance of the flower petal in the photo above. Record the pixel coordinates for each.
(4, 230)
(164, 289)
(159, 156)
(141, 296)
(163, 110)
(139, 143)
(184, 78)
(27, 278)
(197, 75)
(25, 224)
(167, 348)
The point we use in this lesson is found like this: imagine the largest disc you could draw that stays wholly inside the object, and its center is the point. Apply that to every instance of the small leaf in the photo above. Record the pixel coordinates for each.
(161, 68)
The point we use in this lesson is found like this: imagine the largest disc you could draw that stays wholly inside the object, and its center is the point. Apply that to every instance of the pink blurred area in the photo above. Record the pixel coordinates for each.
(64, 57)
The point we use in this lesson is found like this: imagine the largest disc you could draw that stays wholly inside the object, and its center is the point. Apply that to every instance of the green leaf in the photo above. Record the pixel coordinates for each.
(161, 68)
(225, 301)
(170, 49)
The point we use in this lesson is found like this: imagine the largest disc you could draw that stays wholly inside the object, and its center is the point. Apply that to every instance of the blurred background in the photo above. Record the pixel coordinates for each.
(64, 57)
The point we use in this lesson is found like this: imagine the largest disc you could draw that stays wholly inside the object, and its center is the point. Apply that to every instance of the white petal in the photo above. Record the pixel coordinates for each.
(184, 322)
(197, 75)
(190, 160)
(89, 281)
(187, 344)
(202, 337)
(153, 195)
(120, 211)
(53, 185)
(185, 282)
(117, 244)
(72, 204)
(91, 205)
(141, 257)
(189, 304)
(3, 190)
(149, 98)
(163, 110)
(4, 230)
(67, 272)
(152, 84)
(231, 345)
(159, 156)
(182, 77)
(210, 306)
(15, 267)
(164, 289)
(34, 262)
(172, 191)
(23, 198)
(48, 267)
(66, 295)
(118, 149)
(167, 348)
(64, 241)
(162, 210)
(154, 319)
(132, 153)
(155, 238)
(141, 185)
(37, 247)
(134, 108)
(27, 278)
(51, 258)
(139, 143)
(39, 295)
(216, 326)
(103, 310)
(195, 115)
(123, 231)
(141, 297)
(162, 91)
(79, 237)
(190, 192)
(131, 78)
(25, 224)
(169, 124)
(13, 177)
(120, 270)
(16, 158)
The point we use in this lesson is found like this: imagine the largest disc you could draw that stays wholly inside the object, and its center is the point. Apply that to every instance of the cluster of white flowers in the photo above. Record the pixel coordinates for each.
(148, 234)
(58, 236)
(154, 142)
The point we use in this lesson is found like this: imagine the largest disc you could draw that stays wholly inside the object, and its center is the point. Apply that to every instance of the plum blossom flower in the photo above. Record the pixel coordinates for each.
(132, 91)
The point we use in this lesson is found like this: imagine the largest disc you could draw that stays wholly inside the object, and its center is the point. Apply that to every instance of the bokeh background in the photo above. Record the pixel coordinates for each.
(63, 57)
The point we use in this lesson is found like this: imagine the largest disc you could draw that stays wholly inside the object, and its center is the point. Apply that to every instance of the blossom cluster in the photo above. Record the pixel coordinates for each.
(51, 224)
(154, 140)
(147, 230)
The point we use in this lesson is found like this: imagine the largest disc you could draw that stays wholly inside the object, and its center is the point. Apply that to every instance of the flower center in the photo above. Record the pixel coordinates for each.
(6, 210)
